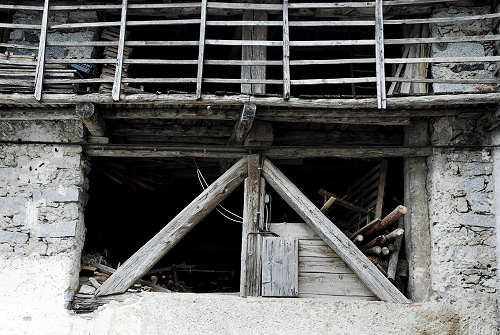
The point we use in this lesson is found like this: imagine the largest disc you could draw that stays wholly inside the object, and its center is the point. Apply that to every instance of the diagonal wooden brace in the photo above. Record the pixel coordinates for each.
(333, 236)
(149, 254)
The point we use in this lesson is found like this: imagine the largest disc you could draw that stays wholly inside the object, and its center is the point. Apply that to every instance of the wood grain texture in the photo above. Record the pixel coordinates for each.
(250, 274)
(257, 53)
(328, 232)
(201, 48)
(40, 64)
(119, 58)
(286, 52)
(147, 256)
(379, 54)
(279, 267)
(332, 284)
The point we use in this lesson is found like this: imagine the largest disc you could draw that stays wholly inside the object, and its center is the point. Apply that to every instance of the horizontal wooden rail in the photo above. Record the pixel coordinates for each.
(332, 61)
(21, 7)
(334, 81)
(159, 80)
(130, 6)
(244, 23)
(484, 59)
(245, 42)
(20, 26)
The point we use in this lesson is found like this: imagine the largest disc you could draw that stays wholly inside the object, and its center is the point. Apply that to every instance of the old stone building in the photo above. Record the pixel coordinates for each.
(355, 146)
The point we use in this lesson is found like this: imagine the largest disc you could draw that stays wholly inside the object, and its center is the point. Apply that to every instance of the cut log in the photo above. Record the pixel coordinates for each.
(393, 260)
(358, 239)
(385, 251)
(378, 225)
(342, 202)
(376, 250)
(147, 256)
(333, 236)
(384, 239)
(328, 204)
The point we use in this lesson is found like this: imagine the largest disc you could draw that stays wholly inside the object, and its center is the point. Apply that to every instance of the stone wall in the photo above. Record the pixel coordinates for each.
(42, 197)
(461, 211)
(465, 49)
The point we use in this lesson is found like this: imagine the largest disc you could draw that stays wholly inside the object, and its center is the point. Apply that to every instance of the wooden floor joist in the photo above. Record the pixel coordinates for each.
(149, 254)
(333, 236)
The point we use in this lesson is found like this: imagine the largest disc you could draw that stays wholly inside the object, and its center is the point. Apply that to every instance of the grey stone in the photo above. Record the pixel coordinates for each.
(13, 237)
(60, 194)
(63, 229)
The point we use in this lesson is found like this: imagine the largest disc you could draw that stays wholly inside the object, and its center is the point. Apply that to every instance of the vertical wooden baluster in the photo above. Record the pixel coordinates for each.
(119, 58)
(379, 54)
(40, 65)
(286, 52)
(201, 50)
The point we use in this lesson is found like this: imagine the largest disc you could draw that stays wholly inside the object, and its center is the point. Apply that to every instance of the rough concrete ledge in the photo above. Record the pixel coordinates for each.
(184, 313)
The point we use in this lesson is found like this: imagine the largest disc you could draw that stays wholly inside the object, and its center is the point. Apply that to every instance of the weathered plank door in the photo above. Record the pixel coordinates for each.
(280, 267)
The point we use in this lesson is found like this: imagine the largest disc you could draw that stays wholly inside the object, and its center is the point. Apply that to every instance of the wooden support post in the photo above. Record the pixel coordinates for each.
(286, 52)
(201, 48)
(40, 64)
(416, 222)
(379, 54)
(333, 236)
(254, 52)
(119, 57)
(250, 276)
(149, 254)
(92, 119)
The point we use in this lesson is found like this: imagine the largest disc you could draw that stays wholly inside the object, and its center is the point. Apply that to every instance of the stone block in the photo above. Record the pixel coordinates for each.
(13, 237)
(60, 194)
(63, 229)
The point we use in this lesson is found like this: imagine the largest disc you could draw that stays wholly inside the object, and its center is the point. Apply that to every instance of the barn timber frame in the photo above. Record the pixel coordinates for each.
(252, 169)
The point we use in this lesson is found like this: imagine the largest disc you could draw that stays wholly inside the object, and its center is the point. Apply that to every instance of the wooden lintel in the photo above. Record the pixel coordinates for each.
(333, 236)
(238, 152)
(149, 254)
(91, 118)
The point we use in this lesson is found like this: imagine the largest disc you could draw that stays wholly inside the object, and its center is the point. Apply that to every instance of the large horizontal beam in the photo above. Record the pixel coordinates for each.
(207, 100)
(116, 150)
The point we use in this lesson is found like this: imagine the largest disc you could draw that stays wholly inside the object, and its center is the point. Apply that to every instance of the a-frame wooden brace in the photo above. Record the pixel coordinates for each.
(161, 243)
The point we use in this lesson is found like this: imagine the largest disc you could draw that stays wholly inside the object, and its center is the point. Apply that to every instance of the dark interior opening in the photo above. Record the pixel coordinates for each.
(130, 200)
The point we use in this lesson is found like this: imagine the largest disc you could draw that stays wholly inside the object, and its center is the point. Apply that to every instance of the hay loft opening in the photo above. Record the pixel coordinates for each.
(132, 199)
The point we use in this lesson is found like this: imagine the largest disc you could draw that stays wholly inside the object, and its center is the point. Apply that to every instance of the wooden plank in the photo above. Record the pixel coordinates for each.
(286, 52)
(147, 256)
(40, 65)
(315, 248)
(328, 204)
(355, 259)
(119, 58)
(332, 284)
(201, 48)
(249, 275)
(379, 54)
(322, 265)
(297, 230)
(258, 53)
(344, 203)
(279, 267)
(339, 297)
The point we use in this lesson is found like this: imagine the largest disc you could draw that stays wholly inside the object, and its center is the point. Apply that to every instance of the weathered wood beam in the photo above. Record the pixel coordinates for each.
(201, 48)
(91, 118)
(149, 254)
(243, 125)
(333, 236)
(174, 130)
(286, 52)
(119, 58)
(354, 116)
(249, 52)
(250, 275)
(379, 54)
(40, 64)
(206, 151)
(413, 102)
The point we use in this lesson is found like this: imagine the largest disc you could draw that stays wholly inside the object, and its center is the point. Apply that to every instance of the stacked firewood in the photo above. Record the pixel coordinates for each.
(108, 70)
(381, 239)
(19, 76)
